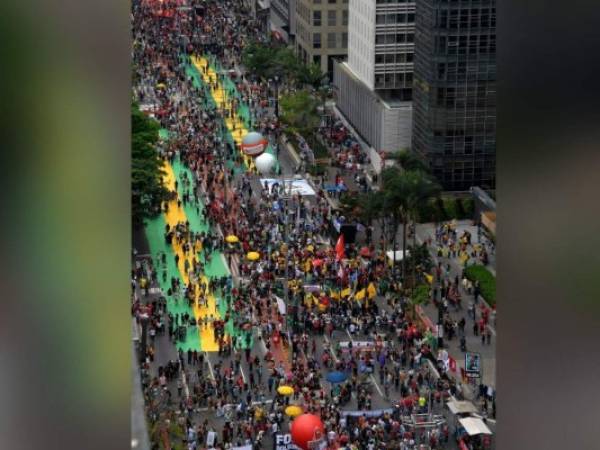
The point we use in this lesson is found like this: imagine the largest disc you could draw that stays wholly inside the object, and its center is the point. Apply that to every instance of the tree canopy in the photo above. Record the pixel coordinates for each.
(312, 75)
(365, 207)
(299, 112)
(410, 161)
(147, 188)
(405, 190)
(268, 61)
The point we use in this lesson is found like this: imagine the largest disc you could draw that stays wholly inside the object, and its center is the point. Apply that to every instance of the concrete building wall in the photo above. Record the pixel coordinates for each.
(382, 126)
(361, 40)
(397, 127)
(321, 31)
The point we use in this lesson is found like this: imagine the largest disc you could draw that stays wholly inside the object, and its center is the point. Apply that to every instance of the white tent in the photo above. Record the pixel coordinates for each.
(399, 255)
(474, 426)
(461, 407)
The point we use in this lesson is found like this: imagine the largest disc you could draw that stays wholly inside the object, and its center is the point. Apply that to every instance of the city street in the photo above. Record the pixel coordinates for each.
(241, 289)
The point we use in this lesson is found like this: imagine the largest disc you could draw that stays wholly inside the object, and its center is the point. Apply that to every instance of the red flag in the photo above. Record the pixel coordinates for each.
(452, 363)
(339, 248)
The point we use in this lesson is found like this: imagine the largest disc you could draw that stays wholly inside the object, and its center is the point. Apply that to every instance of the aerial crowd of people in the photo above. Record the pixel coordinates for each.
(283, 313)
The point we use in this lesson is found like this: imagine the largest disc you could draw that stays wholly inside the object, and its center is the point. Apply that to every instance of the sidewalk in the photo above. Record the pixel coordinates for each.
(473, 343)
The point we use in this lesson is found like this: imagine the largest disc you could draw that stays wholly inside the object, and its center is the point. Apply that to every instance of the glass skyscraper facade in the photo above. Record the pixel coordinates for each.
(454, 93)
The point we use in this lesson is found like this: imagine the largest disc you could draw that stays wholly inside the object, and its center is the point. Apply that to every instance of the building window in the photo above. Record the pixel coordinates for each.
(331, 17)
(443, 19)
(441, 71)
(453, 22)
(331, 1)
(344, 40)
(485, 18)
(474, 22)
(317, 2)
(316, 40)
(317, 59)
(345, 17)
(317, 18)
(331, 40)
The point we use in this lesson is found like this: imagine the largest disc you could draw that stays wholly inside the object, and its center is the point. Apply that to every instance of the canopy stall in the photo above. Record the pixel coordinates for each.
(474, 426)
(461, 407)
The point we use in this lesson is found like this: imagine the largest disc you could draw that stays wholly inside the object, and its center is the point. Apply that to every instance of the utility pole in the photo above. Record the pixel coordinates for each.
(285, 198)
(276, 78)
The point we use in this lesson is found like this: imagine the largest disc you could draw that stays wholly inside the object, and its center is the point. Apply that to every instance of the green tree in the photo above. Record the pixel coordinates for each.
(311, 75)
(365, 207)
(409, 160)
(419, 296)
(258, 59)
(147, 187)
(299, 112)
(395, 191)
(422, 188)
(286, 64)
(266, 61)
(403, 192)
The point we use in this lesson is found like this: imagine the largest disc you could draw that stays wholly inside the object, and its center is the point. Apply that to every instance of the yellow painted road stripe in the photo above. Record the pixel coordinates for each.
(173, 216)
(235, 125)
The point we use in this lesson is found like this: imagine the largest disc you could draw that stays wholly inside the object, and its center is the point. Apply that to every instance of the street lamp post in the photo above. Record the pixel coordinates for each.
(264, 164)
(276, 78)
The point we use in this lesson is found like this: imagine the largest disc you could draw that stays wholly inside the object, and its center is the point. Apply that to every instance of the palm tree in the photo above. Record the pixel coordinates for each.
(403, 193)
(396, 191)
(365, 208)
(423, 188)
(410, 161)
(312, 75)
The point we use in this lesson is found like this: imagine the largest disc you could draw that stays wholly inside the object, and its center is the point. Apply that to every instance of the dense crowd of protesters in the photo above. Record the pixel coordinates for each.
(248, 408)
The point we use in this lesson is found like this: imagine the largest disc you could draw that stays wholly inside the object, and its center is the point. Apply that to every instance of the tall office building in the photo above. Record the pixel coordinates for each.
(374, 87)
(322, 32)
(260, 12)
(454, 122)
(283, 19)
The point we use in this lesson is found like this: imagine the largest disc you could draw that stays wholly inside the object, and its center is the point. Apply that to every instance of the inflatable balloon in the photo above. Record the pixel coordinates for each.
(264, 163)
(254, 144)
(306, 428)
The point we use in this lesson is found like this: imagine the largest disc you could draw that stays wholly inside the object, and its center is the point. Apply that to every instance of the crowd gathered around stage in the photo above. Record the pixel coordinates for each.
(333, 290)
